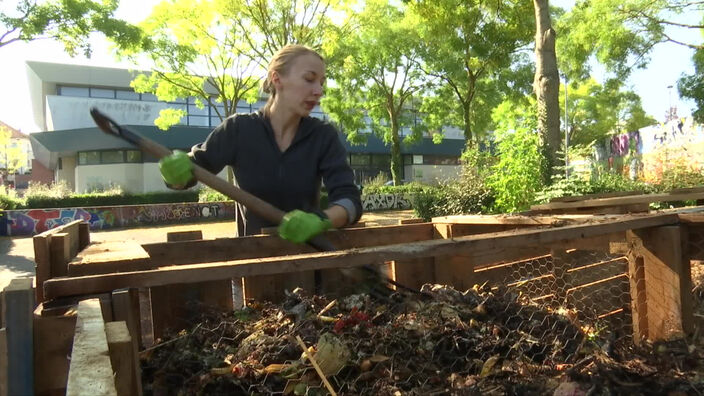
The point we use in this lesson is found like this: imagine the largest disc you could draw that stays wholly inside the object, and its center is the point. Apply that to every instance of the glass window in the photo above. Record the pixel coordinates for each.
(440, 160)
(360, 159)
(417, 160)
(381, 160)
(127, 95)
(408, 160)
(134, 156)
(74, 91)
(194, 110)
(198, 121)
(147, 97)
(215, 121)
(102, 93)
(112, 157)
(88, 158)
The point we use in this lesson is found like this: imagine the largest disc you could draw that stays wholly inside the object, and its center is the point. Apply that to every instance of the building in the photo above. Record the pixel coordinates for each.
(76, 151)
(17, 145)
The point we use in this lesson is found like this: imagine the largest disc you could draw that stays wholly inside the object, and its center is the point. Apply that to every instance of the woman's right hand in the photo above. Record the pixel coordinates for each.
(176, 169)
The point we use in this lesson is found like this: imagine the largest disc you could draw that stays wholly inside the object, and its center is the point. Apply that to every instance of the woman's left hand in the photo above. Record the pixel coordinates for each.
(299, 226)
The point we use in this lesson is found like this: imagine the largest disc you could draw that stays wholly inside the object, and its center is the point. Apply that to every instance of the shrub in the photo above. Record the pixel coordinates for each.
(207, 194)
(466, 195)
(9, 199)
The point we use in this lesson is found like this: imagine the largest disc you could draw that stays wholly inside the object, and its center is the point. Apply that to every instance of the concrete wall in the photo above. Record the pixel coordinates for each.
(95, 177)
(431, 174)
(67, 112)
(67, 171)
(35, 221)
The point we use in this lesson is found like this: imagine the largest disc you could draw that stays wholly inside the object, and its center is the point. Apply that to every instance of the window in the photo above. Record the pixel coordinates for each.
(112, 157)
(381, 160)
(360, 159)
(126, 95)
(102, 93)
(134, 156)
(74, 91)
(198, 121)
(417, 160)
(147, 97)
(60, 165)
(89, 158)
(440, 160)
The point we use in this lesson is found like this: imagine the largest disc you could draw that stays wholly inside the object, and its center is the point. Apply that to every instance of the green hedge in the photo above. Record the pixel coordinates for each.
(99, 199)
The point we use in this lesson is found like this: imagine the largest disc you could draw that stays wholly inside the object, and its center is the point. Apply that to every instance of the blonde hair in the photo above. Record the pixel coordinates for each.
(281, 64)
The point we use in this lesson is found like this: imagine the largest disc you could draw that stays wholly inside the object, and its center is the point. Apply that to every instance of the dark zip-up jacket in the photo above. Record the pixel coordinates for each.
(288, 180)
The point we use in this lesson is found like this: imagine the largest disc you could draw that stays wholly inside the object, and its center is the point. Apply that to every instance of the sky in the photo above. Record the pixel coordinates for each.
(668, 62)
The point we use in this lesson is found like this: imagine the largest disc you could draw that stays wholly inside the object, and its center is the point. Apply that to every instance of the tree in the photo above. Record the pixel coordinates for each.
(596, 111)
(201, 56)
(465, 44)
(378, 79)
(621, 33)
(69, 22)
(547, 83)
(11, 154)
(692, 86)
(268, 25)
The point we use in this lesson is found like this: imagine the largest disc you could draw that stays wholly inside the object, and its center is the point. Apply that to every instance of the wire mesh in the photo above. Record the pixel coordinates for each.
(517, 329)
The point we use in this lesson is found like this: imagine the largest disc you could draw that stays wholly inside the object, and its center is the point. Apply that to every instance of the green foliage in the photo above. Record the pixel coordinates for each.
(465, 44)
(577, 186)
(692, 86)
(377, 78)
(12, 155)
(59, 195)
(518, 173)
(404, 189)
(207, 194)
(596, 111)
(680, 177)
(466, 195)
(70, 22)
(9, 199)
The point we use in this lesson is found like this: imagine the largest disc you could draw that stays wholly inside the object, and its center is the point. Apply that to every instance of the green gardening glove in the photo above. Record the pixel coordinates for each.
(299, 226)
(176, 169)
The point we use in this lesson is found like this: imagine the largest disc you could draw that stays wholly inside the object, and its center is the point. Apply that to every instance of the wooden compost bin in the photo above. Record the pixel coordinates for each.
(648, 266)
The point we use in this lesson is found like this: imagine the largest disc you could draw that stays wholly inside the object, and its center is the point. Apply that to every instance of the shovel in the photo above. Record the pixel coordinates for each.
(258, 206)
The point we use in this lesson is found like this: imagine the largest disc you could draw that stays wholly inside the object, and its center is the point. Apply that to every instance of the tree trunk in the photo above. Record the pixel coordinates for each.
(467, 125)
(547, 84)
(395, 152)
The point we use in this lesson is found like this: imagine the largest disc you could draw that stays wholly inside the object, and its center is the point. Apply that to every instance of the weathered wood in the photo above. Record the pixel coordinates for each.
(3, 362)
(108, 257)
(60, 254)
(636, 277)
(350, 258)
(123, 359)
(593, 196)
(53, 339)
(411, 221)
(90, 372)
(83, 235)
(600, 297)
(667, 281)
(18, 305)
(177, 236)
(42, 264)
(596, 271)
(525, 266)
(622, 201)
(125, 307)
(174, 305)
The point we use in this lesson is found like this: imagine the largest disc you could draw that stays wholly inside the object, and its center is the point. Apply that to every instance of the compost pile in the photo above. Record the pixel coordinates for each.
(479, 342)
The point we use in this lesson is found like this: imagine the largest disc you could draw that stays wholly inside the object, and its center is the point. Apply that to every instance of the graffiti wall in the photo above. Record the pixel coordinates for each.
(35, 221)
(372, 202)
(649, 152)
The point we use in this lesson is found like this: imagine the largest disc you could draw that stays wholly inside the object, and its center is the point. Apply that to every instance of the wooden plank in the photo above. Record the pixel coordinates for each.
(514, 219)
(411, 221)
(18, 306)
(221, 249)
(42, 263)
(59, 254)
(125, 307)
(526, 267)
(107, 257)
(177, 236)
(83, 235)
(3, 361)
(667, 281)
(53, 339)
(349, 258)
(639, 308)
(90, 372)
(123, 359)
(174, 305)
(596, 271)
(620, 201)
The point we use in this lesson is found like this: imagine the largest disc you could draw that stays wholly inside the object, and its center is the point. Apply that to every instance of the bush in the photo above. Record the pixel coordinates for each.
(466, 195)
(207, 194)
(577, 186)
(9, 199)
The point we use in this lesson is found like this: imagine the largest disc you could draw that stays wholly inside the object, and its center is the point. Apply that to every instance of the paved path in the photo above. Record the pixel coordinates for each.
(17, 253)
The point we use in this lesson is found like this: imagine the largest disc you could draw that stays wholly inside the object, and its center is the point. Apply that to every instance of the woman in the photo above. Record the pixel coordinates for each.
(280, 153)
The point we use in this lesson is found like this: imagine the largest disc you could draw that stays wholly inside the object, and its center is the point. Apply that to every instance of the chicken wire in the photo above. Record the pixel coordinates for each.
(523, 321)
